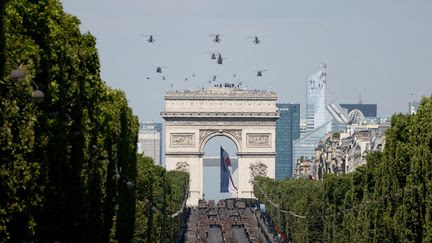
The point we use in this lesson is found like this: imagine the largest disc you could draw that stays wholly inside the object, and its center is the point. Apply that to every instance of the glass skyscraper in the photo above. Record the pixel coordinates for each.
(413, 106)
(321, 117)
(287, 130)
(305, 146)
(316, 102)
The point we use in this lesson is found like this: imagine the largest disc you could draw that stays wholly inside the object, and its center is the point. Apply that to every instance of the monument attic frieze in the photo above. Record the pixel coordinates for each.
(217, 100)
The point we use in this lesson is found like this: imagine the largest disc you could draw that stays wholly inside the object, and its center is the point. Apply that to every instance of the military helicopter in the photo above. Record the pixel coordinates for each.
(220, 59)
(256, 41)
(259, 72)
(150, 38)
(213, 55)
(217, 38)
(212, 79)
(159, 69)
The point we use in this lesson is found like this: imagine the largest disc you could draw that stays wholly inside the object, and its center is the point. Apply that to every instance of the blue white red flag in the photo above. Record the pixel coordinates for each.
(227, 183)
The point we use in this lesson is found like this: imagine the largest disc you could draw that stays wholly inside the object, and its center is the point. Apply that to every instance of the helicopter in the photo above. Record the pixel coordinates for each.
(150, 38)
(220, 59)
(259, 72)
(217, 38)
(213, 55)
(159, 69)
(256, 41)
(212, 79)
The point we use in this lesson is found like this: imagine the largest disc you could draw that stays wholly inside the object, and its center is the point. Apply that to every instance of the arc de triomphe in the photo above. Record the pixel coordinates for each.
(247, 117)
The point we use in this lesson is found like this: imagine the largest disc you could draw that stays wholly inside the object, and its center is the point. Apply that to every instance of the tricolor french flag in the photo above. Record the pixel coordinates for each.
(227, 183)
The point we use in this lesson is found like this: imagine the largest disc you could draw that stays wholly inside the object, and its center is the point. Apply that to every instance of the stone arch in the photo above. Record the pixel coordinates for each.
(206, 136)
(236, 114)
(210, 164)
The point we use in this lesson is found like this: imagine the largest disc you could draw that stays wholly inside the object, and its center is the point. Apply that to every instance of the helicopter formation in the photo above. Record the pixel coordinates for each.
(217, 39)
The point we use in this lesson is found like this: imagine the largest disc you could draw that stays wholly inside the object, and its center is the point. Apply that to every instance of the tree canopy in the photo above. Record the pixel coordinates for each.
(387, 200)
(65, 160)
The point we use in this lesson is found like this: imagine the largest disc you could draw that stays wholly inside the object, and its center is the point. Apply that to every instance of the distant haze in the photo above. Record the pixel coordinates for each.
(379, 50)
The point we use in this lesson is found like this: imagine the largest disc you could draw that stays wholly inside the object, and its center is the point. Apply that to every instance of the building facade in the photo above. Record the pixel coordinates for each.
(150, 141)
(368, 110)
(303, 127)
(287, 130)
(321, 117)
(343, 152)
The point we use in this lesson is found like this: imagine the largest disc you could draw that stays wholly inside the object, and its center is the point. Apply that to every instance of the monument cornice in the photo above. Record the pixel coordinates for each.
(185, 154)
(256, 154)
(221, 94)
(175, 97)
(220, 123)
(224, 115)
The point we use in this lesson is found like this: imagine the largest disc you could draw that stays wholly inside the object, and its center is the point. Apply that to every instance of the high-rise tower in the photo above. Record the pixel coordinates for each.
(316, 102)
(287, 130)
(150, 141)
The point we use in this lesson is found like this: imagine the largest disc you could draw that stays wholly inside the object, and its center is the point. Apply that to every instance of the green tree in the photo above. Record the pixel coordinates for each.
(59, 158)
(160, 195)
(386, 200)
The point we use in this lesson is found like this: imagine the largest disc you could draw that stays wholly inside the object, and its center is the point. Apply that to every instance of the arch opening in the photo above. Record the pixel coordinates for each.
(212, 166)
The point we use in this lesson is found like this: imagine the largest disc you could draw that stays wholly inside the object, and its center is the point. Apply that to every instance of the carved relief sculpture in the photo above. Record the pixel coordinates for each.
(182, 166)
(204, 134)
(258, 140)
(184, 139)
(257, 169)
(237, 134)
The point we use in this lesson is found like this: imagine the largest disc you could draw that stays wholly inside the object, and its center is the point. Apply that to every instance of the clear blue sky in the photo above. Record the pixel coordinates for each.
(381, 50)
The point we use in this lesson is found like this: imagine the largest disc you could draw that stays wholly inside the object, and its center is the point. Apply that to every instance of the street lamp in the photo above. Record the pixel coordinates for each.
(130, 185)
(117, 175)
(17, 74)
(37, 95)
